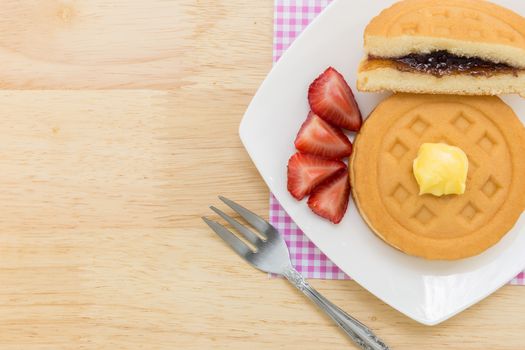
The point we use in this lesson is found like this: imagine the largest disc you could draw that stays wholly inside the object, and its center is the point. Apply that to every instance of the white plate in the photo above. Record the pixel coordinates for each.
(427, 291)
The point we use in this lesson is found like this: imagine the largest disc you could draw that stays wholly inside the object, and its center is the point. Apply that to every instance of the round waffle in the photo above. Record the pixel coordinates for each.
(447, 227)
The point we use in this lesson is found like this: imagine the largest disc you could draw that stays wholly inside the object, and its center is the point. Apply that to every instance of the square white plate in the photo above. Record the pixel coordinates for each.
(427, 291)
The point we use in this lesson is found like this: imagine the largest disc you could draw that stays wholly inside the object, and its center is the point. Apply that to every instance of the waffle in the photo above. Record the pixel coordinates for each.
(447, 227)
(464, 28)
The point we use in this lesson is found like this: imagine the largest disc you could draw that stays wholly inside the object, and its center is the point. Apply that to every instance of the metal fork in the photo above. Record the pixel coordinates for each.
(271, 255)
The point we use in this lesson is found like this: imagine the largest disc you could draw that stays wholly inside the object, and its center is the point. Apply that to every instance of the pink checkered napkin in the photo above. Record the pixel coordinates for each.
(290, 18)
(305, 256)
(519, 280)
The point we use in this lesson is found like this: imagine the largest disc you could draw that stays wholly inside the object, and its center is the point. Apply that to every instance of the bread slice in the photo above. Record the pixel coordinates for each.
(391, 79)
(472, 30)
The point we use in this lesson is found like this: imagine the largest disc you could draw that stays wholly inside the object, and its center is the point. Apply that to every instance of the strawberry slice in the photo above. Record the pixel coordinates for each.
(305, 171)
(320, 138)
(331, 98)
(330, 198)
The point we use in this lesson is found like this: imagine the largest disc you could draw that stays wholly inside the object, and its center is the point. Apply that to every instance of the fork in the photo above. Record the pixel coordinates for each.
(271, 255)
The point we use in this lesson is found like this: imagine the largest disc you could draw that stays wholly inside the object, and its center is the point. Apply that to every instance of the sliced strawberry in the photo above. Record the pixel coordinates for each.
(331, 98)
(305, 171)
(330, 198)
(320, 138)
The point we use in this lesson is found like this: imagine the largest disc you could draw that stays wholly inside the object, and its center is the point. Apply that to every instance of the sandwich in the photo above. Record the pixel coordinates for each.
(464, 47)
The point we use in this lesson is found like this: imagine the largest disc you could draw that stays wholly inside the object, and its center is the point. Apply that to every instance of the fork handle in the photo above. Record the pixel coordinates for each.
(357, 331)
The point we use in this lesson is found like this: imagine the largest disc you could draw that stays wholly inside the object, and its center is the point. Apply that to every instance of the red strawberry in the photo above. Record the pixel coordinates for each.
(330, 198)
(306, 171)
(320, 138)
(332, 99)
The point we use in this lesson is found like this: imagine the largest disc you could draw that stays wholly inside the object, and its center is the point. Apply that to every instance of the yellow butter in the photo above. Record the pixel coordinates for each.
(440, 169)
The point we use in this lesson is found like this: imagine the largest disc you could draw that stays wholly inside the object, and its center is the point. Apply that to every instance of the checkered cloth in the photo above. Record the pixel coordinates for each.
(290, 18)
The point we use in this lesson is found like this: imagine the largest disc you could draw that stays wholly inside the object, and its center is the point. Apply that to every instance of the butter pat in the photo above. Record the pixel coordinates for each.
(440, 169)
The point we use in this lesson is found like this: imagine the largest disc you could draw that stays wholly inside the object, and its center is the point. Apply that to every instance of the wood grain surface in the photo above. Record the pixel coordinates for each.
(118, 128)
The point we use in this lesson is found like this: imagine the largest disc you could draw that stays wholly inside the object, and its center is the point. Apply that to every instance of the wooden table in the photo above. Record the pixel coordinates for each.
(118, 128)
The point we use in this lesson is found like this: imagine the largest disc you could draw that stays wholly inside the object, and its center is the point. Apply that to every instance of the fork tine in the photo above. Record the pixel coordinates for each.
(253, 219)
(235, 243)
(247, 233)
